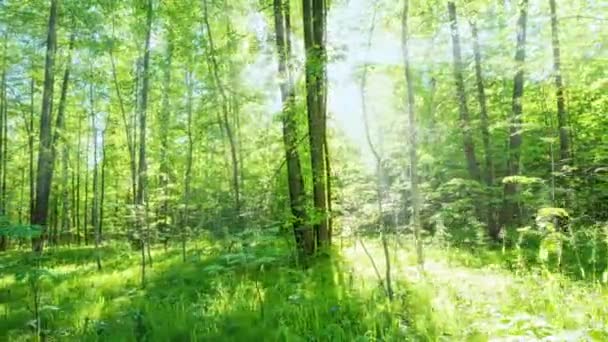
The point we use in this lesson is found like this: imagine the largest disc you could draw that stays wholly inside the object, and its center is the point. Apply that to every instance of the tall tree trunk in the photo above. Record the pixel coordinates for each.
(95, 204)
(469, 146)
(412, 132)
(509, 211)
(314, 44)
(485, 131)
(85, 212)
(225, 111)
(303, 234)
(125, 120)
(3, 157)
(77, 185)
(142, 183)
(65, 198)
(188, 176)
(165, 119)
(562, 116)
(30, 147)
(45, 161)
(102, 195)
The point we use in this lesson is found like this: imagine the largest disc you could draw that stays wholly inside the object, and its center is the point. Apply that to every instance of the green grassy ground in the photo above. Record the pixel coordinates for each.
(254, 292)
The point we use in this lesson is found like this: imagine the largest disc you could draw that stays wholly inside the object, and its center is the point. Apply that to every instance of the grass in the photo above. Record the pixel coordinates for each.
(254, 291)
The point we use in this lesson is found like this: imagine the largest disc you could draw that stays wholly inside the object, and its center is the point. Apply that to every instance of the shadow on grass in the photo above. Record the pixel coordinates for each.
(217, 299)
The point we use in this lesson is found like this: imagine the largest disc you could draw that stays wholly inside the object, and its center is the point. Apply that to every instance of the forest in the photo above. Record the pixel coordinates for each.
(304, 170)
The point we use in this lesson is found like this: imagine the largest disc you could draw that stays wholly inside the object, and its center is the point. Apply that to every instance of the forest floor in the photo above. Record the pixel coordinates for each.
(467, 297)
(254, 292)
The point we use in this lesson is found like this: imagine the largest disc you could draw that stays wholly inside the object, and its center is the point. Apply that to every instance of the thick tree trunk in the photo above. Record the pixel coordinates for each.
(45, 157)
(509, 211)
(303, 234)
(412, 132)
(314, 44)
(562, 116)
(469, 146)
(44, 172)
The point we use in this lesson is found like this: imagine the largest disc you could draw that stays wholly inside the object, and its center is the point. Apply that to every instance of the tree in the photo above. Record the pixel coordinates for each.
(314, 45)
(515, 123)
(463, 109)
(303, 234)
(143, 166)
(44, 174)
(485, 130)
(562, 116)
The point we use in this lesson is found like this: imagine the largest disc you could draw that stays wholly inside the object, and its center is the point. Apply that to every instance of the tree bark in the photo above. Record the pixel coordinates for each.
(509, 212)
(45, 161)
(304, 236)
(314, 44)
(485, 131)
(562, 115)
(469, 145)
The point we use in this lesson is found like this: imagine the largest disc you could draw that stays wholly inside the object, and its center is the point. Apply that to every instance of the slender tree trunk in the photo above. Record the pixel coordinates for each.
(30, 145)
(304, 236)
(485, 131)
(77, 186)
(142, 183)
(125, 120)
(412, 132)
(188, 176)
(165, 119)
(45, 162)
(3, 157)
(65, 200)
(85, 223)
(469, 146)
(225, 111)
(562, 116)
(103, 179)
(509, 212)
(95, 201)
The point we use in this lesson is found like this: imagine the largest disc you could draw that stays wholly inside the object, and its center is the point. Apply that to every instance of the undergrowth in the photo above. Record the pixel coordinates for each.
(240, 291)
